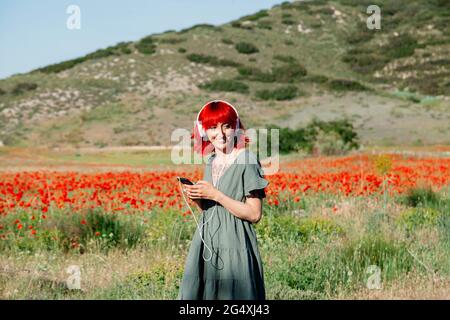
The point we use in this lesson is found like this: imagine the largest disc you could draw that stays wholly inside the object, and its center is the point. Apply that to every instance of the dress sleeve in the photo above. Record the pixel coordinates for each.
(253, 180)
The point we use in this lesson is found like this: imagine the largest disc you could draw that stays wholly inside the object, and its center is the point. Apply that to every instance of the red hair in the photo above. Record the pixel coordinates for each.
(214, 112)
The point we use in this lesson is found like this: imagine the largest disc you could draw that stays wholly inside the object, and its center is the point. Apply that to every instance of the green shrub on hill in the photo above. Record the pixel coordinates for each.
(288, 73)
(346, 85)
(211, 60)
(246, 48)
(202, 26)
(281, 93)
(23, 87)
(146, 45)
(254, 17)
(117, 50)
(310, 137)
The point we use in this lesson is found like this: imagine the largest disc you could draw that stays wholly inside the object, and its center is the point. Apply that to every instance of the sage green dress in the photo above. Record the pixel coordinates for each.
(231, 269)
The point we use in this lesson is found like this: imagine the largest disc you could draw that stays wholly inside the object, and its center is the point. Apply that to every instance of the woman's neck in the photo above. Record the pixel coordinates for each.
(225, 154)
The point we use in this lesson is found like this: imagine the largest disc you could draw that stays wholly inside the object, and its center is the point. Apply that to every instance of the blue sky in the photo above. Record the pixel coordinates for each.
(34, 33)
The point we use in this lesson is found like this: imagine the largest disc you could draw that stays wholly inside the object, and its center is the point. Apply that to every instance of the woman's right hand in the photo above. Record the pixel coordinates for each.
(196, 200)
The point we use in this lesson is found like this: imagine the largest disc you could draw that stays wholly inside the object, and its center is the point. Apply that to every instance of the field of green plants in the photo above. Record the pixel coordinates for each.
(322, 247)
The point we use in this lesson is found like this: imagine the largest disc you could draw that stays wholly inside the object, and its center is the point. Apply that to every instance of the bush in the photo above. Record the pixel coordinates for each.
(330, 144)
(316, 78)
(119, 49)
(260, 14)
(264, 25)
(288, 73)
(324, 11)
(399, 47)
(23, 87)
(289, 42)
(418, 217)
(319, 227)
(202, 26)
(146, 45)
(182, 50)
(417, 197)
(2, 92)
(225, 85)
(364, 62)
(254, 74)
(370, 59)
(124, 48)
(346, 85)
(291, 228)
(307, 138)
(58, 67)
(211, 60)
(246, 48)
(286, 5)
(291, 72)
(227, 41)
(287, 59)
(288, 22)
(171, 40)
(343, 128)
(236, 24)
(290, 140)
(282, 93)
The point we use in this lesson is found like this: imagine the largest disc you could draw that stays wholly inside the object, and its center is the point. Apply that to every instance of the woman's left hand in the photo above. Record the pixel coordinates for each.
(202, 190)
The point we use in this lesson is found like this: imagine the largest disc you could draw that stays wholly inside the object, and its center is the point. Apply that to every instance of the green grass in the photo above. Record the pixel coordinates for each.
(132, 158)
(280, 94)
(226, 85)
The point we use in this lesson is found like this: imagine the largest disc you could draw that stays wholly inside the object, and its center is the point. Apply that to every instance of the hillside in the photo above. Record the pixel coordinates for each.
(283, 65)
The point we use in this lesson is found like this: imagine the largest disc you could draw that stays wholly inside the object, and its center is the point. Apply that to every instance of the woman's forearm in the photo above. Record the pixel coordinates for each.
(237, 208)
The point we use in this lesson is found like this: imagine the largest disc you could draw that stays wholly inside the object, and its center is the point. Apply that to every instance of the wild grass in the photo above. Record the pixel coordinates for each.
(309, 251)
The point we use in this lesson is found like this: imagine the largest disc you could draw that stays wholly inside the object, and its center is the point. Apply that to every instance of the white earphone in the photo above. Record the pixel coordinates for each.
(200, 127)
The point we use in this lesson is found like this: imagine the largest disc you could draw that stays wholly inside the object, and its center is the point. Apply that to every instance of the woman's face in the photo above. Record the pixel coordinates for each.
(221, 136)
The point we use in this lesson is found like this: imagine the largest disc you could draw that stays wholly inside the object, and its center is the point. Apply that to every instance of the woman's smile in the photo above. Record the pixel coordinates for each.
(221, 135)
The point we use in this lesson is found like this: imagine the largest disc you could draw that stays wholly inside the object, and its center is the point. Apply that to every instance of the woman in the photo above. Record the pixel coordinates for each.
(223, 260)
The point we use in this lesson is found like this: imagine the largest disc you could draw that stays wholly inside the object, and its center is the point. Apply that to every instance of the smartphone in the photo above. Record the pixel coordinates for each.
(185, 181)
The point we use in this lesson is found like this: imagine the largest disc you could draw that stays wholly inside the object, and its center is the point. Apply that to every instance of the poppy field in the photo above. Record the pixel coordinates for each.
(326, 221)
